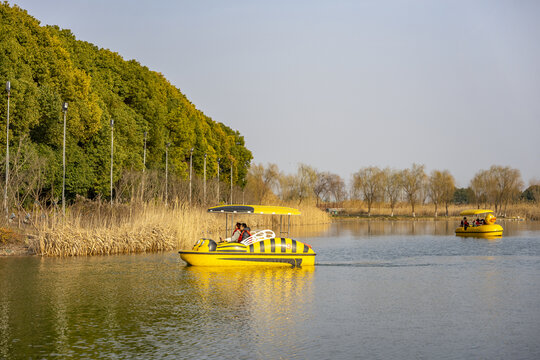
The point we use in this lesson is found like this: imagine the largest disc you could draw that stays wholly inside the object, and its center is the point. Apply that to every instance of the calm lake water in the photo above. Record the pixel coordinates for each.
(380, 290)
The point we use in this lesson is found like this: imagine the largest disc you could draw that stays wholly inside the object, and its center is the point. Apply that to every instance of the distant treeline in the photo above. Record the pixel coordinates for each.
(47, 66)
(498, 186)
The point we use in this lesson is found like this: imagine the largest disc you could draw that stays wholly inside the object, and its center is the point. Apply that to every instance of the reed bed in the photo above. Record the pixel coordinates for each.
(98, 230)
(94, 228)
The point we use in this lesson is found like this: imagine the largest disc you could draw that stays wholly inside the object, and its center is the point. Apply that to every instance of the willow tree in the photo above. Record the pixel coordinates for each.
(449, 189)
(306, 179)
(412, 181)
(261, 181)
(369, 182)
(441, 187)
(336, 188)
(507, 185)
(392, 186)
(480, 186)
(499, 185)
(321, 187)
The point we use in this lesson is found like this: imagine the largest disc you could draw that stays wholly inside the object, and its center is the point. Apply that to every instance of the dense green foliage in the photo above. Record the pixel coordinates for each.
(532, 194)
(463, 196)
(47, 66)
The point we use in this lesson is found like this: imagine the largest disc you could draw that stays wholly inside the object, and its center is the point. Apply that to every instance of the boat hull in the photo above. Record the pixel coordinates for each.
(492, 230)
(269, 252)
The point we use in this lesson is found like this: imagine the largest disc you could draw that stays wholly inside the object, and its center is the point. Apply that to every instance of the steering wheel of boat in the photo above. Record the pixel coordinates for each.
(258, 236)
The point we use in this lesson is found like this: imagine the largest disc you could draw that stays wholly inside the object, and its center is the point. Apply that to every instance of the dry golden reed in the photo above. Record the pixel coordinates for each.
(93, 228)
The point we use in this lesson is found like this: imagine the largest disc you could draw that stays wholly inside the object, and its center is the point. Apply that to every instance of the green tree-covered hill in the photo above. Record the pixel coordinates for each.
(47, 65)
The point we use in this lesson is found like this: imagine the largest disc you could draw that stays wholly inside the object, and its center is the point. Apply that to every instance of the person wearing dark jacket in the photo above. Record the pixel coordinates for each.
(465, 223)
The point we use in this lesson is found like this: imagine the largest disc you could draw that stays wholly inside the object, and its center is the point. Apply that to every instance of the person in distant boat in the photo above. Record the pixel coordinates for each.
(464, 223)
(245, 232)
(478, 222)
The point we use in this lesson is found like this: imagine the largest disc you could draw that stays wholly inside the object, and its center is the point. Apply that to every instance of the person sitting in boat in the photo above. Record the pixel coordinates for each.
(478, 222)
(236, 233)
(245, 232)
(464, 223)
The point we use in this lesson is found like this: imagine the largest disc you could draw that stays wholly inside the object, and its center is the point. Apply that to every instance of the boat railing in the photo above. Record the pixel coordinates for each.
(259, 236)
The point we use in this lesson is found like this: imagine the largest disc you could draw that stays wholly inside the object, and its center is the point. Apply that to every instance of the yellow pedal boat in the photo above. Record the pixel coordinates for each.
(487, 229)
(261, 248)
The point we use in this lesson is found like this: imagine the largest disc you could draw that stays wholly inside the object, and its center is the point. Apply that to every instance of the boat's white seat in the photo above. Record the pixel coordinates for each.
(259, 236)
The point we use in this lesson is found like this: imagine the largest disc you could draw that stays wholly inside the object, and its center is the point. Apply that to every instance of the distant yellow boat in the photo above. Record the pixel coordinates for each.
(487, 229)
(262, 248)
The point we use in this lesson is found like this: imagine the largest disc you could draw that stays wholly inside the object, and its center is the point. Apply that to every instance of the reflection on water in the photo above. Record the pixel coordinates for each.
(263, 307)
(306, 231)
(138, 305)
(382, 289)
(418, 227)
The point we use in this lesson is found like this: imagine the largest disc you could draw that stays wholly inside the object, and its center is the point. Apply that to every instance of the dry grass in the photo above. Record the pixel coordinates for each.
(96, 231)
(91, 228)
(9, 236)
(526, 211)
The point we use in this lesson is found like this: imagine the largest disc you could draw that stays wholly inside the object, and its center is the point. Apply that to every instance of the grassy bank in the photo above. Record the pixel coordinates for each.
(93, 228)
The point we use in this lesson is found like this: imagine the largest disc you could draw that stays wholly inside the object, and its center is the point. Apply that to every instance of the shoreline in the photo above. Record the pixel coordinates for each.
(9, 250)
(22, 249)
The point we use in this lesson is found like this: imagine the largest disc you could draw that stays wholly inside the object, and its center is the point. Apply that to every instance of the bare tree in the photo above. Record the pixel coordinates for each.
(423, 193)
(413, 180)
(440, 188)
(499, 185)
(287, 187)
(307, 176)
(480, 184)
(392, 184)
(337, 188)
(507, 185)
(321, 187)
(369, 182)
(261, 180)
(449, 188)
(305, 184)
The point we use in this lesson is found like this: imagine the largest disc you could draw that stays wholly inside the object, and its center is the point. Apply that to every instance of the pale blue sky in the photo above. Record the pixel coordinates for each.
(342, 84)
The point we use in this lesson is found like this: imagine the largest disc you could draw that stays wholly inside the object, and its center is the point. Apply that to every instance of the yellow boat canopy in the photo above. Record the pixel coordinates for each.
(253, 209)
(475, 212)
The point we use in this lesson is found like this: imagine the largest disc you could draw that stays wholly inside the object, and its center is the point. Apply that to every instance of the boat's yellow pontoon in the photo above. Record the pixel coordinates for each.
(261, 248)
(488, 228)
